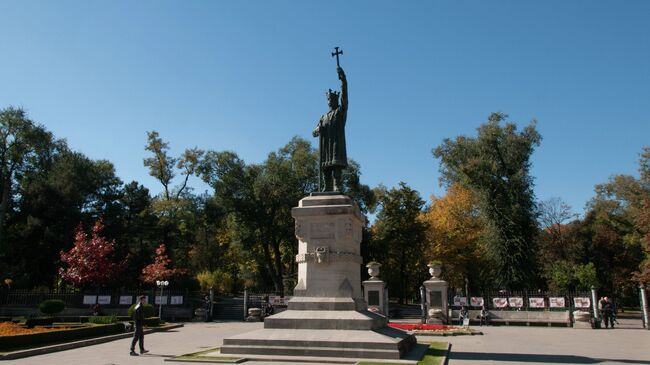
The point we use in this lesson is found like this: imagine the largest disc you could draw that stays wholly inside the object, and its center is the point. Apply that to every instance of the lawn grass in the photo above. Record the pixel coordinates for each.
(200, 355)
(433, 356)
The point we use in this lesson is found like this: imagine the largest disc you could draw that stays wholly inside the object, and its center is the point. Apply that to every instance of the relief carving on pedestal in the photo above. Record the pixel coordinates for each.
(345, 228)
(322, 254)
(322, 230)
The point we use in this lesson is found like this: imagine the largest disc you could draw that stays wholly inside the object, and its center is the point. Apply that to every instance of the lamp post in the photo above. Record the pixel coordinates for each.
(161, 284)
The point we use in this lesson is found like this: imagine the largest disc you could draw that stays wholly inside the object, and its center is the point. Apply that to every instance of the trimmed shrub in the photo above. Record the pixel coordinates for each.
(37, 339)
(51, 306)
(102, 319)
(39, 321)
(149, 311)
(152, 322)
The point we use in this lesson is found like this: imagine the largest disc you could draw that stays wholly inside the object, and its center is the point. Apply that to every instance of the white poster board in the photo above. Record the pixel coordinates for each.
(126, 300)
(536, 302)
(500, 302)
(516, 302)
(104, 299)
(460, 301)
(176, 300)
(279, 300)
(477, 301)
(557, 302)
(90, 299)
(582, 302)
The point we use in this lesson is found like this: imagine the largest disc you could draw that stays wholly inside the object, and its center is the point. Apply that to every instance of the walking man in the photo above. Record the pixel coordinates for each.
(138, 334)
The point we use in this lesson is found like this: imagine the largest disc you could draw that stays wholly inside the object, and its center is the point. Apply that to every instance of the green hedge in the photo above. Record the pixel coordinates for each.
(149, 310)
(36, 339)
(152, 322)
(38, 321)
(51, 306)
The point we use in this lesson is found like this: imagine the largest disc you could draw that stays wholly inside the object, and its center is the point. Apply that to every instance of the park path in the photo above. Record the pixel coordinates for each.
(499, 345)
(512, 345)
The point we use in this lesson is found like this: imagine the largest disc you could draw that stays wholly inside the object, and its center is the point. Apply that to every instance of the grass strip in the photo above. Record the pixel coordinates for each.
(200, 355)
(433, 356)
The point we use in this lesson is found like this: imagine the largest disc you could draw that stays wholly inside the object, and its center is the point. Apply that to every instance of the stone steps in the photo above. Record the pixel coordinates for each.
(312, 350)
(306, 343)
(320, 320)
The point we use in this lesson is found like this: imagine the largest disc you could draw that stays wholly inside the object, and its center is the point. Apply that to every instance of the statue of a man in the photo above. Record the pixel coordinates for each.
(331, 129)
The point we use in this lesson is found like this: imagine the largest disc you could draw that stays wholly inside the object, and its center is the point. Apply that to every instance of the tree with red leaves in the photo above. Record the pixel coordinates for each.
(90, 261)
(159, 269)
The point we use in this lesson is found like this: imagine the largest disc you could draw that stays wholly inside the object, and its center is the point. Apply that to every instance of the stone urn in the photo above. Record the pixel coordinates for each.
(435, 316)
(254, 315)
(373, 270)
(435, 269)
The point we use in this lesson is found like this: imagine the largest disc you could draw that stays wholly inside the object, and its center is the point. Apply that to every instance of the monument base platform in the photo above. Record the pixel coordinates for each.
(381, 343)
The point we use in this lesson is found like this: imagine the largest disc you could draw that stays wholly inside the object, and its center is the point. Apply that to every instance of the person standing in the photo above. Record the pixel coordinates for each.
(608, 313)
(138, 334)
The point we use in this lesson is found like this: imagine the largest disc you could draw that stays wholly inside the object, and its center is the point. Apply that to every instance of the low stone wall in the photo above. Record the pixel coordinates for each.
(519, 317)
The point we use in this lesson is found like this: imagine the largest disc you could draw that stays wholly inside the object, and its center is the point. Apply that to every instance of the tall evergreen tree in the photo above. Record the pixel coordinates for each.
(496, 166)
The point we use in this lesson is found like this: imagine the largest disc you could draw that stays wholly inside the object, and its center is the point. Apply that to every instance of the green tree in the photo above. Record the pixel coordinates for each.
(398, 239)
(65, 189)
(23, 144)
(176, 208)
(616, 229)
(495, 165)
(257, 198)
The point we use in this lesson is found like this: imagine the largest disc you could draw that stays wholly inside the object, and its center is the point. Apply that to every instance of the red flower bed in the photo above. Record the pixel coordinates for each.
(421, 327)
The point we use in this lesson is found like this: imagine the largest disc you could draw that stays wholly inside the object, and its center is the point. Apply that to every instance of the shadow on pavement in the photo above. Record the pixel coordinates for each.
(551, 359)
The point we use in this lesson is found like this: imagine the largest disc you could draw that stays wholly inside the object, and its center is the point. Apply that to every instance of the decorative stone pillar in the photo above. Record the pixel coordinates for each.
(594, 305)
(436, 295)
(644, 306)
(374, 290)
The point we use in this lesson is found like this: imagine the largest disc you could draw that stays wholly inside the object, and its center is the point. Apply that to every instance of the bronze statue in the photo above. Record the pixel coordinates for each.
(331, 129)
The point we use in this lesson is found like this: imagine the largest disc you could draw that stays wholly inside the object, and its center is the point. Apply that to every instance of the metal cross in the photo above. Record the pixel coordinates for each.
(337, 53)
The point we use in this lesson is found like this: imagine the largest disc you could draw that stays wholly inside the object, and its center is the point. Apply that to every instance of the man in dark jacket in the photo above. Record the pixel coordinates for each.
(138, 334)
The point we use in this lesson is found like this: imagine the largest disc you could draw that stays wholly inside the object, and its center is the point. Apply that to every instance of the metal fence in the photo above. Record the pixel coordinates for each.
(81, 299)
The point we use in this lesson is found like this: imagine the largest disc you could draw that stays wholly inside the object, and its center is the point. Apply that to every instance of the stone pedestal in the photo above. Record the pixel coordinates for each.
(436, 300)
(373, 290)
(327, 315)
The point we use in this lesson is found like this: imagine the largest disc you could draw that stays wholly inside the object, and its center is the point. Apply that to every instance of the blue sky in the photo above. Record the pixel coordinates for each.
(249, 75)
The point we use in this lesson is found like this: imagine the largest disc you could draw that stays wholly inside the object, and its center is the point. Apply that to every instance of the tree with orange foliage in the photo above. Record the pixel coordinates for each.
(454, 236)
(159, 269)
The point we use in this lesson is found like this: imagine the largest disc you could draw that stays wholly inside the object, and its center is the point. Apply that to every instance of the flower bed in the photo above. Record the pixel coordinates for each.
(10, 329)
(423, 327)
(16, 338)
(434, 329)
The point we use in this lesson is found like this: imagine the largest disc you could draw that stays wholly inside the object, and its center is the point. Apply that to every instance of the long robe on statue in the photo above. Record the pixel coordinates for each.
(332, 139)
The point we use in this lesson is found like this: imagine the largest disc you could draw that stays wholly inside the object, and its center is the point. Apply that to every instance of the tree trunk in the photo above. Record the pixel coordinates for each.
(278, 267)
(268, 263)
(4, 203)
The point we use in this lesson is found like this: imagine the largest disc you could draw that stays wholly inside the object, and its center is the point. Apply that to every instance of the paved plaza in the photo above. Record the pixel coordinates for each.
(498, 345)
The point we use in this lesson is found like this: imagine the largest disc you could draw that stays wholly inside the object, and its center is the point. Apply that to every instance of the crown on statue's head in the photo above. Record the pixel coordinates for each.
(332, 94)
